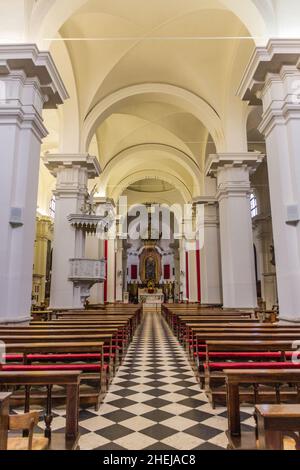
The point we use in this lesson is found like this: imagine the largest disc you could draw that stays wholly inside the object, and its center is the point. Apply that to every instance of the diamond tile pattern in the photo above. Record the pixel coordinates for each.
(155, 402)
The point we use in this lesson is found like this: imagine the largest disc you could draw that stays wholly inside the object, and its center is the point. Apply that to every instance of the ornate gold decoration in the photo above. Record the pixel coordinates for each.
(150, 253)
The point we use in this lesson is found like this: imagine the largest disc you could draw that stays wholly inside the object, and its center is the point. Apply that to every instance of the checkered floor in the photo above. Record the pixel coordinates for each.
(154, 402)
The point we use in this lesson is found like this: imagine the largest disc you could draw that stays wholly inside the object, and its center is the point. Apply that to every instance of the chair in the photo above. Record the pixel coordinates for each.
(26, 422)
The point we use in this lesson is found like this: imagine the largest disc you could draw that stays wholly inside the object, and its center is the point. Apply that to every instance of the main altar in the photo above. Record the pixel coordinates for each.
(146, 297)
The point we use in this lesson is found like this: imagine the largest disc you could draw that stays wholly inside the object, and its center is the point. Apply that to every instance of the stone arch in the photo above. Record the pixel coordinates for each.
(181, 97)
(48, 16)
(177, 155)
(145, 174)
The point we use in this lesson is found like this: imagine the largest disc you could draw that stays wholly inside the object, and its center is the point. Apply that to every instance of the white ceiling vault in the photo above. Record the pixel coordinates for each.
(152, 84)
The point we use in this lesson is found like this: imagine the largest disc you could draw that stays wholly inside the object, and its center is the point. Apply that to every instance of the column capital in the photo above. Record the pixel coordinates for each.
(205, 200)
(277, 54)
(57, 162)
(211, 204)
(34, 64)
(249, 160)
(44, 226)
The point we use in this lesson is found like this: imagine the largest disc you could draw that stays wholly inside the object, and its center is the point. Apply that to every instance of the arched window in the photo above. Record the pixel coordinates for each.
(253, 205)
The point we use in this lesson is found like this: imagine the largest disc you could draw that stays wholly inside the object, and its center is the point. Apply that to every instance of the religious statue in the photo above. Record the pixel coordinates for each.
(89, 206)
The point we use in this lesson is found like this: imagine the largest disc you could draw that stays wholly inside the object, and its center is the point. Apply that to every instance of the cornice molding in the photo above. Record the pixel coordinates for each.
(57, 162)
(235, 160)
(264, 60)
(34, 63)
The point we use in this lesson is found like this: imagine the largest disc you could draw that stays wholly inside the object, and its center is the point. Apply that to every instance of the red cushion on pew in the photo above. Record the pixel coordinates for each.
(250, 355)
(14, 357)
(57, 357)
(82, 367)
(252, 365)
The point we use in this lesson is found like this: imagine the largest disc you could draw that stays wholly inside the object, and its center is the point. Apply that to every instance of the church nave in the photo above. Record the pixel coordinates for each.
(155, 402)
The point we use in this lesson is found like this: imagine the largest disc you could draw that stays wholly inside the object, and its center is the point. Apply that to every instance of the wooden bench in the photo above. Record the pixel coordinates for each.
(184, 323)
(258, 354)
(192, 329)
(122, 324)
(290, 379)
(113, 346)
(70, 380)
(277, 427)
(172, 316)
(196, 336)
(194, 332)
(94, 375)
(4, 417)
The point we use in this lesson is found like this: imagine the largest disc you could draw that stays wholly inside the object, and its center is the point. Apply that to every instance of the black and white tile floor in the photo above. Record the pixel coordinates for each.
(154, 402)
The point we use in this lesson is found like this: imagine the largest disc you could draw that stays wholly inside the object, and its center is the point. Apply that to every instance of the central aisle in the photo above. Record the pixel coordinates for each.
(154, 401)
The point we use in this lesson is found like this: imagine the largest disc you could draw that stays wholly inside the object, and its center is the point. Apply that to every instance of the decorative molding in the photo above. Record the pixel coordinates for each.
(250, 160)
(34, 63)
(85, 222)
(87, 270)
(205, 200)
(264, 60)
(57, 162)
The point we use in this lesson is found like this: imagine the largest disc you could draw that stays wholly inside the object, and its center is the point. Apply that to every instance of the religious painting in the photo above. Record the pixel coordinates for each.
(150, 269)
(150, 266)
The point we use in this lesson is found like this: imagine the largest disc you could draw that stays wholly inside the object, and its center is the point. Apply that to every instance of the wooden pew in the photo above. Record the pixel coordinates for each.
(269, 353)
(46, 380)
(122, 338)
(121, 322)
(194, 331)
(133, 315)
(177, 323)
(235, 379)
(112, 345)
(92, 374)
(4, 416)
(277, 427)
(172, 315)
(191, 326)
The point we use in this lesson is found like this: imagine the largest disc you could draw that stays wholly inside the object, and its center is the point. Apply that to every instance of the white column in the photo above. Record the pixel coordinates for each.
(111, 274)
(44, 227)
(193, 292)
(237, 250)
(183, 269)
(72, 173)
(273, 78)
(29, 81)
(119, 271)
(210, 255)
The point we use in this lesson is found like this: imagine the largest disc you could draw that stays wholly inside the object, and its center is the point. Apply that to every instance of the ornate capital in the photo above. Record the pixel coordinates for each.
(271, 59)
(34, 65)
(57, 162)
(205, 200)
(249, 160)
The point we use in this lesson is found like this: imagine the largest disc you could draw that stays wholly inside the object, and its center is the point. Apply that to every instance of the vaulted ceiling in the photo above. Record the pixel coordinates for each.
(152, 84)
